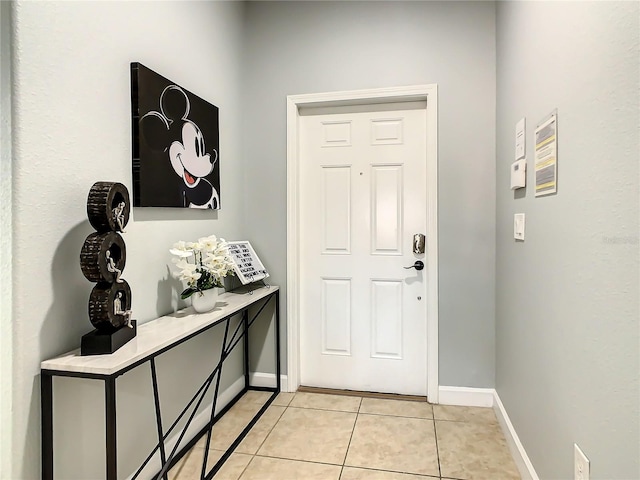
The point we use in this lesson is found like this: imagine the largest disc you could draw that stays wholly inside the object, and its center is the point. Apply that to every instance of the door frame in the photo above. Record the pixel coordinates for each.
(428, 93)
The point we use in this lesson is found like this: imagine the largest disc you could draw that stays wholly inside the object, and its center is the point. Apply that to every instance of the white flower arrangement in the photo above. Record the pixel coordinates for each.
(211, 263)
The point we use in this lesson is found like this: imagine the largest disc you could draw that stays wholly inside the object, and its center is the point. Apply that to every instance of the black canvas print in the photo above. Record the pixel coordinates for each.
(176, 161)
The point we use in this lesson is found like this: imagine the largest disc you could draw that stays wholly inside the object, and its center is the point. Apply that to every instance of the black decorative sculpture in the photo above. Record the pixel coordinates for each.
(102, 260)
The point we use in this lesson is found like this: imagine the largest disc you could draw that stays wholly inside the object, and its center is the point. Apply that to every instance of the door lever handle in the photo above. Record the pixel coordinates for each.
(419, 265)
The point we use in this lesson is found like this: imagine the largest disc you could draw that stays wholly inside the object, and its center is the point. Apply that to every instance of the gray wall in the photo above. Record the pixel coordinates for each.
(71, 128)
(310, 47)
(567, 297)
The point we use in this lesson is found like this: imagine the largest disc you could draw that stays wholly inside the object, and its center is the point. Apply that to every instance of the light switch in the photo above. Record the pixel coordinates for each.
(518, 226)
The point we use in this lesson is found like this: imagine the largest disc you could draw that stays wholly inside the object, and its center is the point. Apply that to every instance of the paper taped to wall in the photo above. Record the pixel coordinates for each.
(546, 156)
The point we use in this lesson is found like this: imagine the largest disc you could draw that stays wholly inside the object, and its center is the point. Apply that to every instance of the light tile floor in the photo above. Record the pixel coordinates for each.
(309, 436)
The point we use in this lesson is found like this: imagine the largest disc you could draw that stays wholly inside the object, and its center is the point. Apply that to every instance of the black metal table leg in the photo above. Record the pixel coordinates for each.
(223, 355)
(46, 412)
(110, 417)
(156, 398)
(277, 295)
(245, 322)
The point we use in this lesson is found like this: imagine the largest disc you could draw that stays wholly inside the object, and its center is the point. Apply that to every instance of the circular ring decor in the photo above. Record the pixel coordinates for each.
(102, 260)
(103, 257)
(102, 312)
(108, 206)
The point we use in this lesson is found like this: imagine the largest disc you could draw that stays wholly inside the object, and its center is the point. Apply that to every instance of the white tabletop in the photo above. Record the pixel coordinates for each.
(155, 335)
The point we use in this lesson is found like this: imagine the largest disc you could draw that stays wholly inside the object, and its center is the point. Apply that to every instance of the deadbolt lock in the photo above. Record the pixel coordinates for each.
(418, 243)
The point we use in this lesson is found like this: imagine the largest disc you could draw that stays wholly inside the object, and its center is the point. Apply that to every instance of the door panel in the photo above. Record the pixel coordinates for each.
(363, 197)
(386, 319)
(336, 316)
(386, 209)
(336, 196)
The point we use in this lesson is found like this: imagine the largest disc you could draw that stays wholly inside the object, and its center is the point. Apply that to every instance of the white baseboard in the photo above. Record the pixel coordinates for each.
(525, 467)
(488, 397)
(466, 396)
(260, 379)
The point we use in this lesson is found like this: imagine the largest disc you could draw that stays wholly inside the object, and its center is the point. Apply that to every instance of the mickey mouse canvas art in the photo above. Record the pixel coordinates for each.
(176, 161)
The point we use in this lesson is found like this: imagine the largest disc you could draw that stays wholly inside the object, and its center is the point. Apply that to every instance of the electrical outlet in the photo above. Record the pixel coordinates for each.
(580, 464)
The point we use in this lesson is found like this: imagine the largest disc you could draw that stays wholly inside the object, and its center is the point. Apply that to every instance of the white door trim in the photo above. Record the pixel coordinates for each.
(381, 95)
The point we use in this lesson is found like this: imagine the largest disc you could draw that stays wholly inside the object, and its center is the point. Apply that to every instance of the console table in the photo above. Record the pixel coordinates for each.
(154, 338)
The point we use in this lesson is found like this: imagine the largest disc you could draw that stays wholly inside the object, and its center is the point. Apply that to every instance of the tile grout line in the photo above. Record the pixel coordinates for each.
(299, 460)
(394, 415)
(286, 407)
(358, 412)
(253, 456)
(270, 430)
(435, 434)
(351, 437)
(243, 470)
(402, 472)
(322, 409)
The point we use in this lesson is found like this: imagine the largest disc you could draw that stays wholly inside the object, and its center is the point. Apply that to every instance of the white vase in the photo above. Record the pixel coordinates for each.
(205, 301)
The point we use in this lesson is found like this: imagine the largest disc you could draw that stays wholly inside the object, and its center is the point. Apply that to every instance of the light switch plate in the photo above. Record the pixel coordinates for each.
(518, 226)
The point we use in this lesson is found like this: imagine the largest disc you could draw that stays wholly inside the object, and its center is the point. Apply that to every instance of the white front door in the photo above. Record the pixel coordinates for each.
(363, 321)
